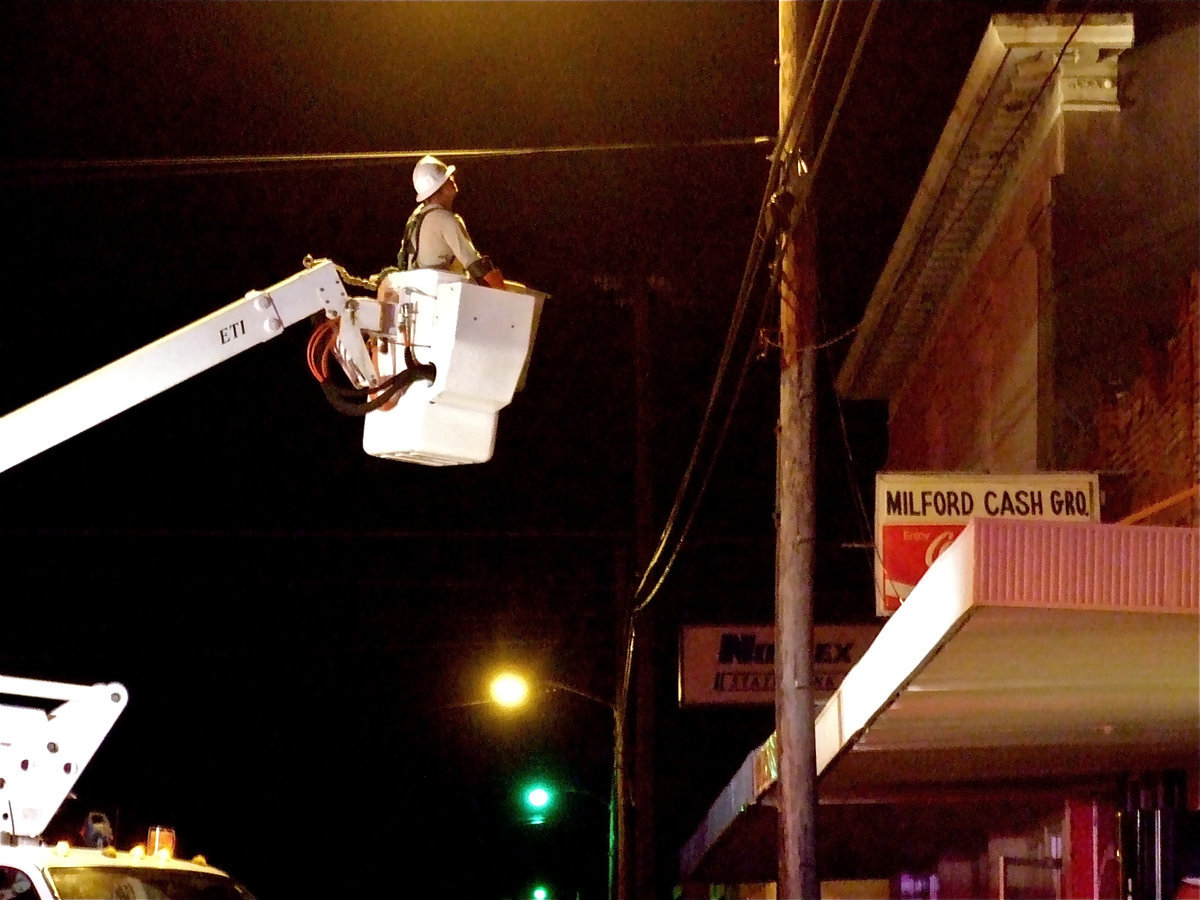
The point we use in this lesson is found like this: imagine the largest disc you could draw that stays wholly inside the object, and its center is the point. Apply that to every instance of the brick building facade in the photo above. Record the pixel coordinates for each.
(1037, 314)
(1149, 432)
(1070, 345)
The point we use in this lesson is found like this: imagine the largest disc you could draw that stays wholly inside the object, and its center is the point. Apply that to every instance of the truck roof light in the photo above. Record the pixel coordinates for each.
(160, 841)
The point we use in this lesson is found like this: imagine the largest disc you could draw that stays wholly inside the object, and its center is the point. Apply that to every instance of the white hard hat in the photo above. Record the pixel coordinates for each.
(430, 174)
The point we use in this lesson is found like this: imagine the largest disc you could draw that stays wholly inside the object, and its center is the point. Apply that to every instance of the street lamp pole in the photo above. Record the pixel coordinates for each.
(559, 686)
(616, 805)
(509, 689)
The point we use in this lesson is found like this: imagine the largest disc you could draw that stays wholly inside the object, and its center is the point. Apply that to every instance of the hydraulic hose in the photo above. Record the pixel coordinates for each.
(354, 402)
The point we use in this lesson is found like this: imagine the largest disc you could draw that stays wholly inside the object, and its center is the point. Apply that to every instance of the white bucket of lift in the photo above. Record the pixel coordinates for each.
(479, 339)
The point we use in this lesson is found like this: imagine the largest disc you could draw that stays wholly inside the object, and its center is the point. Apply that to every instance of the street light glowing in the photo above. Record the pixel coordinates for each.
(509, 689)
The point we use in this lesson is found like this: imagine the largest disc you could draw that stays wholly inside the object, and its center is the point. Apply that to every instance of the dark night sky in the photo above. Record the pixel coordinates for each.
(290, 615)
(293, 618)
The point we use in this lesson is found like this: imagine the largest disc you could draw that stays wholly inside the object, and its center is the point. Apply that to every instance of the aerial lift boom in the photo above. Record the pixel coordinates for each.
(43, 751)
(448, 354)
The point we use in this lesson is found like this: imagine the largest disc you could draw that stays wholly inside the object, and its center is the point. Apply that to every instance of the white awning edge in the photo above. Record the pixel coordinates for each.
(998, 562)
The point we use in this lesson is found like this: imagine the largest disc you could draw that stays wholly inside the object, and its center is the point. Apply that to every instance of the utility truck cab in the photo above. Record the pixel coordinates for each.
(68, 872)
(49, 731)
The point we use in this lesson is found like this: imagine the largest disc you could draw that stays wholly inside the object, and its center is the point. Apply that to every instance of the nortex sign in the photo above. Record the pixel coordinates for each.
(918, 515)
(735, 664)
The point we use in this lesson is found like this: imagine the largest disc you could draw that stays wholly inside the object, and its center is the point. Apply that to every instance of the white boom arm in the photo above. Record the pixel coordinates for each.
(478, 338)
(116, 387)
(43, 752)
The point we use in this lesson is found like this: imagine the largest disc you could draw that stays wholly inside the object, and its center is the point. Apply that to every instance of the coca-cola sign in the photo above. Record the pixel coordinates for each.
(918, 515)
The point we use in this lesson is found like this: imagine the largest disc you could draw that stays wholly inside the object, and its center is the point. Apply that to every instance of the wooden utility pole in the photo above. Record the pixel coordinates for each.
(794, 697)
(796, 501)
(631, 826)
(618, 829)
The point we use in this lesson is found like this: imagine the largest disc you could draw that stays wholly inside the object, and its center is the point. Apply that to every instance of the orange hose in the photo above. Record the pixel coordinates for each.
(320, 343)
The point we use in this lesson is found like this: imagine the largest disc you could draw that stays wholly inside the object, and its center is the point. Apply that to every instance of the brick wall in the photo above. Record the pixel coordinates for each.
(1149, 434)
(971, 402)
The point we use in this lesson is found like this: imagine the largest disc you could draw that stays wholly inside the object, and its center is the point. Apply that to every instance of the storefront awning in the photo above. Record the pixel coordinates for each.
(1029, 652)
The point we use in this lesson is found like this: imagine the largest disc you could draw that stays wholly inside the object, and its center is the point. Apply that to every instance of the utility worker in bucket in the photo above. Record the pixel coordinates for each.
(434, 236)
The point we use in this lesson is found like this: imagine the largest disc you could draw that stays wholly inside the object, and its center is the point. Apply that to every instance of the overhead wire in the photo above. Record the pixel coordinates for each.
(183, 165)
(782, 151)
(795, 115)
(749, 276)
(847, 79)
(750, 273)
(860, 507)
(747, 362)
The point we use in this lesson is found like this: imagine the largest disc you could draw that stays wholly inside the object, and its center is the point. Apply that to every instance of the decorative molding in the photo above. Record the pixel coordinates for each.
(1011, 99)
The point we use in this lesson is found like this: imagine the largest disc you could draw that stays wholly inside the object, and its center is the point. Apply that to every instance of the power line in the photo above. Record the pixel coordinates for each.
(181, 165)
(795, 115)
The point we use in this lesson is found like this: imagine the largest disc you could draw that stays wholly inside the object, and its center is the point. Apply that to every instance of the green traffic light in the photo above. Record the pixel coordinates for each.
(540, 893)
(538, 800)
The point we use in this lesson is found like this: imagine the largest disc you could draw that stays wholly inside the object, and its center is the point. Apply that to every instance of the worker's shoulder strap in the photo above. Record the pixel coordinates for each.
(407, 257)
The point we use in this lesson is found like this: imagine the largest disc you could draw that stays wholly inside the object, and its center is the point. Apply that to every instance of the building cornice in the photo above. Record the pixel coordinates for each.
(1028, 70)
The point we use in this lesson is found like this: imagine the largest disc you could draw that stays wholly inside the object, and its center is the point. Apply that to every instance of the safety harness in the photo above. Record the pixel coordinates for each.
(406, 258)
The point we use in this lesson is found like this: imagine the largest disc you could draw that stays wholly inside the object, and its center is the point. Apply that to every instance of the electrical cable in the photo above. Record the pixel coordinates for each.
(359, 401)
(318, 349)
(747, 362)
(864, 520)
(749, 274)
(397, 384)
(187, 165)
(847, 79)
(631, 625)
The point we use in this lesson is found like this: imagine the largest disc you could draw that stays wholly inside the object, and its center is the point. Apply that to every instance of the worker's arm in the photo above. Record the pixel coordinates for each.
(451, 232)
(484, 272)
